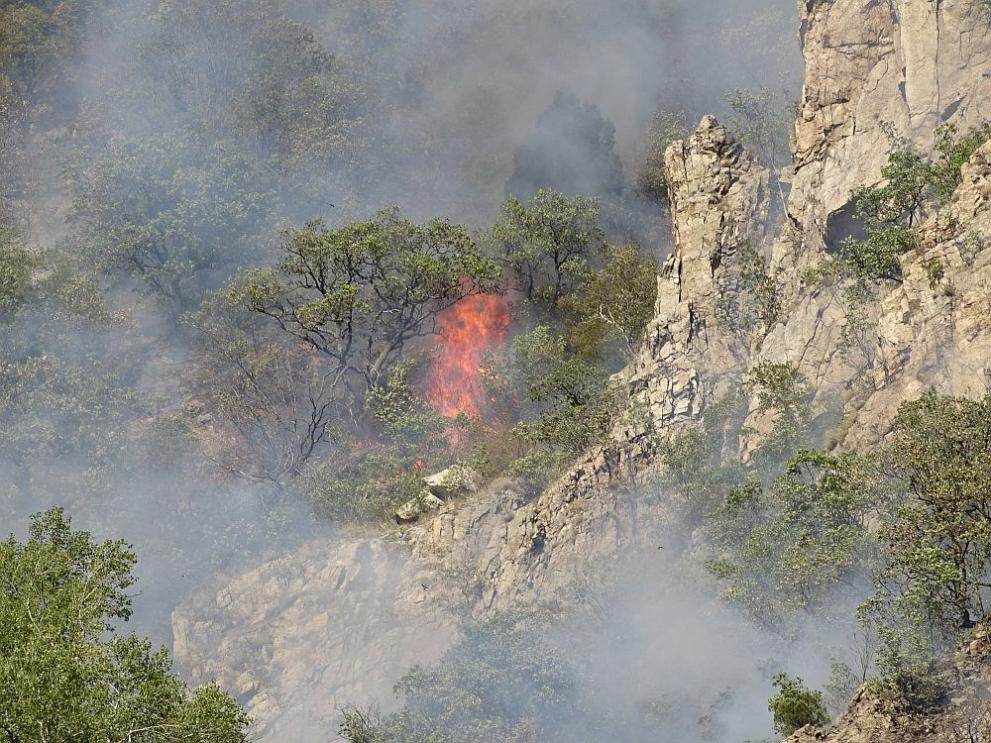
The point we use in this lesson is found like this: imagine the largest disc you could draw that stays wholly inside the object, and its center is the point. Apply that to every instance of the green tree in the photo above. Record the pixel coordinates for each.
(938, 545)
(611, 310)
(567, 406)
(787, 548)
(245, 71)
(755, 302)
(762, 119)
(174, 212)
(66, 674)
(550, 243)
(912, 187)
(504, 681)
(795, 705)
(358, 294)
(784, 398)
(18, 269)
(38, 43)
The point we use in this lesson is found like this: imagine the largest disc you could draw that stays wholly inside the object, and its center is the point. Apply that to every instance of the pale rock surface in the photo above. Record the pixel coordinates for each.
(905, 65)
(719, 200)
(936, 332)
(298, 637)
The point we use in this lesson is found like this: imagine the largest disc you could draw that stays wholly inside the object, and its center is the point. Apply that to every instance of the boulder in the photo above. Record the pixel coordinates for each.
(413, 509)
(453, 482)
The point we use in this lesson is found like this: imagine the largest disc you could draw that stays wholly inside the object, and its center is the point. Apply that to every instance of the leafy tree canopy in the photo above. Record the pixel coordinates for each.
(795, 705)
(65, 673)
(358, 294)
(550, 243)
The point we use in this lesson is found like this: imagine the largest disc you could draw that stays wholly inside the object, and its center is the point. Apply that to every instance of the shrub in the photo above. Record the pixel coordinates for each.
(550, 243)
(785, 548)
(913, 187)
(664, 128)
(795, 705)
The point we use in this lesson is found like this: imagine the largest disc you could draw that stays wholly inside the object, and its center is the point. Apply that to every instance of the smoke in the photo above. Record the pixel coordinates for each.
(432, 105)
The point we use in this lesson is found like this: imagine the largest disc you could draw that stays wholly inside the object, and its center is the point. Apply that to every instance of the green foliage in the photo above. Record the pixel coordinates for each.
(612, 308)
(17, 274)
(407, 420)
(70, 410)
(840, 687)
(504, 681)
(358, 294)
(64, 672)
(369, 479)
(787, 548)
(938, 546)
(38, 43)
(701, 463)
(571, 404)
(550, 243)
(762, 119)
(935, 272)
(913, 186)
(664, 128)
(365, 485)
(795, 705)
(783, 396)
(272, 87)
(173, 212)
(758, 303)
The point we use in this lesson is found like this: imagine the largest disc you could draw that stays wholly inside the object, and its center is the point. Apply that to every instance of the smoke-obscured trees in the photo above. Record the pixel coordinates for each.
(174, 212)
(571, 150)
(65, 672)
(248, 72)
(788, 547)
(505, 681)
(294, 354)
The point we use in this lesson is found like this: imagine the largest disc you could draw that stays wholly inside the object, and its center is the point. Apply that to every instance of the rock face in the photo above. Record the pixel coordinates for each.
(719, 200)
(341, 622)
(302, 635)
(934, 329)
(871, 65)
(879, 715)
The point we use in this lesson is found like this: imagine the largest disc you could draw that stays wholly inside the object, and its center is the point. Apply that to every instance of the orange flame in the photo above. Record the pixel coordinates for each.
(468, 330)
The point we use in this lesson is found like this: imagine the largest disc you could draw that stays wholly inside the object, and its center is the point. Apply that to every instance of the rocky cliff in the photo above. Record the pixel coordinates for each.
(341, 621)
(957, 711)
(876, 69)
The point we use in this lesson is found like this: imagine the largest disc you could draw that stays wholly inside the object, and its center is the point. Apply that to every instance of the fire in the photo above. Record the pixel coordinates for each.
(468, 330)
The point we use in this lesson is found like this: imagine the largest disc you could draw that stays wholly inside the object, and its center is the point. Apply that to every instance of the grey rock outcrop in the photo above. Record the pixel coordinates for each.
(719, 200)
(874, 68)
(934, 329)
(300, 636)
